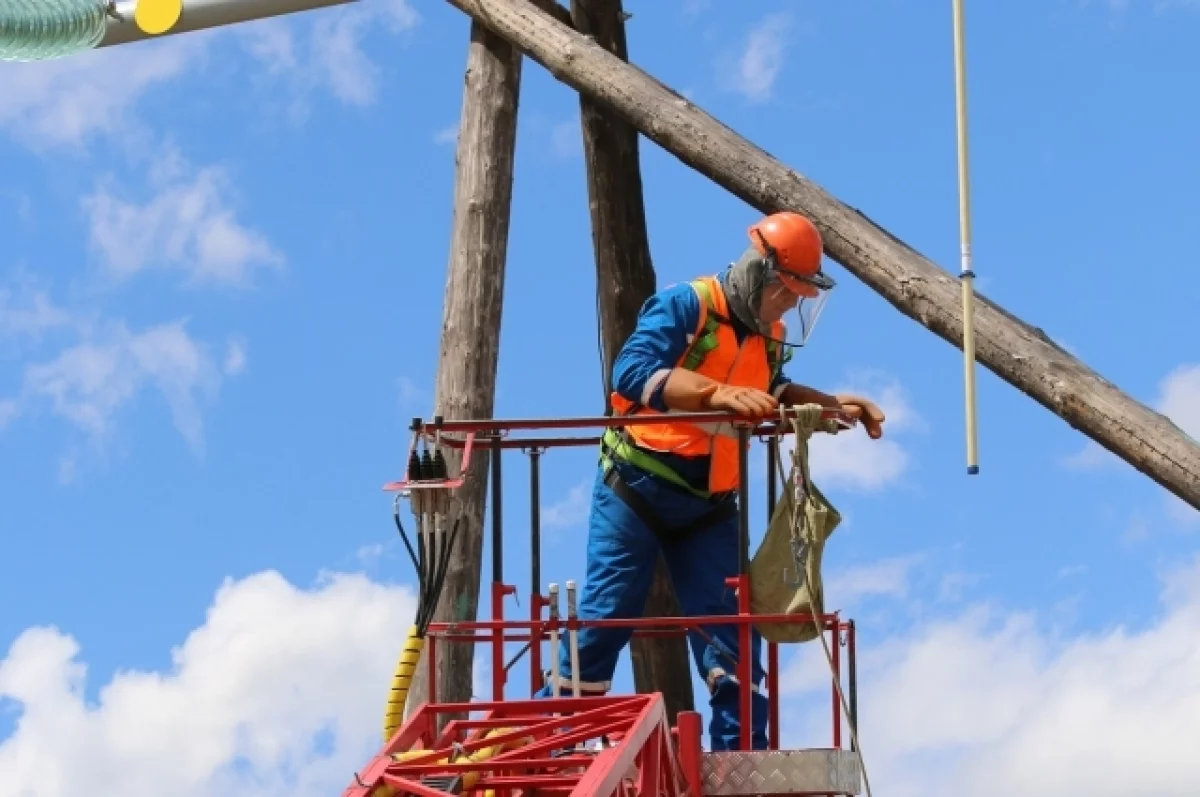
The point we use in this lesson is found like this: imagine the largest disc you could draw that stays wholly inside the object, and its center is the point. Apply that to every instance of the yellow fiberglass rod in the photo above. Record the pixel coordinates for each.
(967, 275)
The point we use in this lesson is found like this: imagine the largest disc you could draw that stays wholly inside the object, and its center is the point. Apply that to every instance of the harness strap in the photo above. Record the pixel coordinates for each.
(615, 444)
(641, 507)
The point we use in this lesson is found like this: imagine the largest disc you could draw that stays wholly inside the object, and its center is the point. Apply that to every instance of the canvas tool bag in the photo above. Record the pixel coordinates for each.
(785, 573)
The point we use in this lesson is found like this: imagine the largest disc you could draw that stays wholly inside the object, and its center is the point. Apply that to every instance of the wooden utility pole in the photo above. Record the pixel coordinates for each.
(1019, 353)
(624, 280)
(466, 376)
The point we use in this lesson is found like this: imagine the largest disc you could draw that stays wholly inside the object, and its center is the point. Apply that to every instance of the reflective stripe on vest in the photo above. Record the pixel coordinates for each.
(715, 353)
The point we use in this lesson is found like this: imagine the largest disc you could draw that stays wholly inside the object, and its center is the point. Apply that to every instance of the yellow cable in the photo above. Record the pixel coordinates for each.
(401, 679)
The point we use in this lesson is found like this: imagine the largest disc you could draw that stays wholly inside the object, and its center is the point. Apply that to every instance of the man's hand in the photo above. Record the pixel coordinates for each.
(742, 400)
(864, 411)
(691, 392)
(860, 409)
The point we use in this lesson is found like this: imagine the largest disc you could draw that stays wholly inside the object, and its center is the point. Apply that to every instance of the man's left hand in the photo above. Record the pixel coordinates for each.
(864, 411)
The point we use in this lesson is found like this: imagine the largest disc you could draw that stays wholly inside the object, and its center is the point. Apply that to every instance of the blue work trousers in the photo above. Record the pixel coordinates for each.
(622, 555)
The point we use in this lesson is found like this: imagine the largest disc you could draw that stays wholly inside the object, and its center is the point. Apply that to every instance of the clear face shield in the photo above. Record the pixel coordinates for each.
(784, 291)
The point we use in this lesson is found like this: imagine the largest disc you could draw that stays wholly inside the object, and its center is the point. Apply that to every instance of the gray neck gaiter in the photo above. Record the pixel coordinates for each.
(743, 289)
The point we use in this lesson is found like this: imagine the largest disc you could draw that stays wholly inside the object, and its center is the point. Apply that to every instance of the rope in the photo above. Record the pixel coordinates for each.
(806, 420)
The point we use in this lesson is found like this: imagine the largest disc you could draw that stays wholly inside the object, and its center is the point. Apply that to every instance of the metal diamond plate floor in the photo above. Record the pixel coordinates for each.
(781, 772)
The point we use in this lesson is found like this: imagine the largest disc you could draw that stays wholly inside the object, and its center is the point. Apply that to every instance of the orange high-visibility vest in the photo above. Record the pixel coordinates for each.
(713, 352)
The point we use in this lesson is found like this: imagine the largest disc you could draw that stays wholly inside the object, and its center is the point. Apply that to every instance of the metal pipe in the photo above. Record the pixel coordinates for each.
(554, 652)
(526, 442)
(745, 654)
(535, 519)
(745, 666)
(204, 14)
(690, 751)
(573, 637)
(743, 500)
(614, 421)
(497, 515)
(772, 647)
(535, 565)
(837, 674)
(967, 275)
(773, 692)
(772, 488)
(852, 663)
(686, 622)
(499, 674)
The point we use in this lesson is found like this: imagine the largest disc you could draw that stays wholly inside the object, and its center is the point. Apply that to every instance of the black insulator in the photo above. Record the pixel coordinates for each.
(414, 467)
(427, 471)
(439, 465)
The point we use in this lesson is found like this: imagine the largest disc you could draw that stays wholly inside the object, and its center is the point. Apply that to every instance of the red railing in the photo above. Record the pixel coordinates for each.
(495, 433)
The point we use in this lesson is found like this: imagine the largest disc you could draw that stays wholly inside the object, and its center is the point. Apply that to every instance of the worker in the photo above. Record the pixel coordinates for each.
(715, 344)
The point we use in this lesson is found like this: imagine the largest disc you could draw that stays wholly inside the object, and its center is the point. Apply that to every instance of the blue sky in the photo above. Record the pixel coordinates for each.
(220, 301)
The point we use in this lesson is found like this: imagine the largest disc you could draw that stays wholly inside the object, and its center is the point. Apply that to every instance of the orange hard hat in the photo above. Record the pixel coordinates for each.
(794, 244)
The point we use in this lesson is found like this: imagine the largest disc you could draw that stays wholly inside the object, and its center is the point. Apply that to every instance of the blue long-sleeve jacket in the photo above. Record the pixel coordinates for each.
(660, 339)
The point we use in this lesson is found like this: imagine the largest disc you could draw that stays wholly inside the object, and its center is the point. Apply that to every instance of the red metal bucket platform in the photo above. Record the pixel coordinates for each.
(586, 747)
(564, 746)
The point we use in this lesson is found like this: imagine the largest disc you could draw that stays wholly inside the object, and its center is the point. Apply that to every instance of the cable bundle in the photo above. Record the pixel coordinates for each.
(430, 558)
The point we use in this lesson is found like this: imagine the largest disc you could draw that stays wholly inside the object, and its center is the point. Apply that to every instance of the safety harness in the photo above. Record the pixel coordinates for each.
(616, 445)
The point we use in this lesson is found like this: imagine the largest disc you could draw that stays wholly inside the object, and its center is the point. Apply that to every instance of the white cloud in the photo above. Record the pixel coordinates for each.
(409, 393)
(952, 585)
(28, 314)
(1182, 512)
(90, 382)
(566, 138)
(187, 224)
(481, 677)
(447, 135)
(280, 691)
(235, 358)
(8, 411)
(846, 590)
(851, 460)
(1072, 570)
(335, 59)
(272, 42)
(94, 367)
(883, 578)
(989, 703)
(569, 511)
(65, 102)
(369, 554)
(761, 59)
(1179, 398)
(1092, 456)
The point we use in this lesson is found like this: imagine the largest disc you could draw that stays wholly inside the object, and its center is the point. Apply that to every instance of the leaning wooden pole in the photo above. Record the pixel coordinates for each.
(624, 280)
(1017, 352)
(466, 375)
